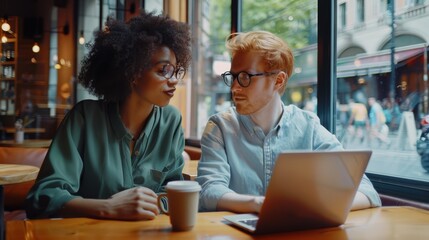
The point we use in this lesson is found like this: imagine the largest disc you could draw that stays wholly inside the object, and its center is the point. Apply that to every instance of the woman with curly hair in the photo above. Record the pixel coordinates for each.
(111, 156)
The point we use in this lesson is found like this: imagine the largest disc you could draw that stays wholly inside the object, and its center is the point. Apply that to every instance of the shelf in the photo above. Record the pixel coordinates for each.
(7, 63)
(10, 40)
(8, 69)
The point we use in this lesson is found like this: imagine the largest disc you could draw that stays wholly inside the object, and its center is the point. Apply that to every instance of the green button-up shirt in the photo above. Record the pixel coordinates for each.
(90, 156)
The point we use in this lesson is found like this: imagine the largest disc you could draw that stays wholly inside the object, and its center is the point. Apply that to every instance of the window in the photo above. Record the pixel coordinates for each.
(153, 5)
(360, 9)
(380, 108)
(387, 4)
(363, 75)
(295, 21)
(211, 24)
(342, 16)
(89, 22)
(412, 3)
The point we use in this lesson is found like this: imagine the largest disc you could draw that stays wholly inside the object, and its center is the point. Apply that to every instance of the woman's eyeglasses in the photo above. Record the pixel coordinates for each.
(243, 78)
(168, 71)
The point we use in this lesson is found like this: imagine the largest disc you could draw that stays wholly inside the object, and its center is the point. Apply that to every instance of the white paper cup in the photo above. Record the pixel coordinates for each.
(182, 198)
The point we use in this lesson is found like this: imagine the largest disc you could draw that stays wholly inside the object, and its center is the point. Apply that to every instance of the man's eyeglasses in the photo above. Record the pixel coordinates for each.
(168, 71)
(243, 78)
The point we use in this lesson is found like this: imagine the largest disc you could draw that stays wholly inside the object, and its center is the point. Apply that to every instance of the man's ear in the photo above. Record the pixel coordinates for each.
(281, 80)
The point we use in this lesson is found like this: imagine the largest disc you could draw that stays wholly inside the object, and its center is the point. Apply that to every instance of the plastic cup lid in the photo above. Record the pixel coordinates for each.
(183, 186)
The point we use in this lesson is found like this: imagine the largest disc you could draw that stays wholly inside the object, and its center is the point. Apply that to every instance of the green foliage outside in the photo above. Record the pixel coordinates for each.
(293, 20)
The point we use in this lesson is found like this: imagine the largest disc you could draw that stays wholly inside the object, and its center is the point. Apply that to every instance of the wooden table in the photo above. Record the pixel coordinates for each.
(35, 143)
(9, 174)
(16, 173)
(190, 169)
(378, 223)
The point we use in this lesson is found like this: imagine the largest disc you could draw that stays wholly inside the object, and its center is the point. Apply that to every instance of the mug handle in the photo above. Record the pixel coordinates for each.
(161, 203)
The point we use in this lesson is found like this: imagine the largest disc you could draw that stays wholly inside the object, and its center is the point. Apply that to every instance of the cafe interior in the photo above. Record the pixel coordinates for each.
(41, 53)
(43, 43)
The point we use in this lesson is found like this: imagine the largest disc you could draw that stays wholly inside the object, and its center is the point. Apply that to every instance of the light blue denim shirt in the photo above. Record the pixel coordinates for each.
(238, 157)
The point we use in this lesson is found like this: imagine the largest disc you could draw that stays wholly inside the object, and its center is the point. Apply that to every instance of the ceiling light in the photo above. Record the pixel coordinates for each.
(35, 48)
(81, 38)
(5, 26)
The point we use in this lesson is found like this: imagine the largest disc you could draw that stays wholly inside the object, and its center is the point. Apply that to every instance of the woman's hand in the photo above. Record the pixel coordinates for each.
(137, 203)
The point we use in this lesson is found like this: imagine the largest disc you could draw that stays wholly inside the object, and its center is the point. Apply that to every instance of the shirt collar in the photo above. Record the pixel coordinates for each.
(117, 125)
(246, 121)
(252, 127)
(284, 120)
(119, 128)
(153, 118)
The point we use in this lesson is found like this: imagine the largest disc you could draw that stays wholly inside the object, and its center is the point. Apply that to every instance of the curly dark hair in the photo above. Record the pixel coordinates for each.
(124, 49)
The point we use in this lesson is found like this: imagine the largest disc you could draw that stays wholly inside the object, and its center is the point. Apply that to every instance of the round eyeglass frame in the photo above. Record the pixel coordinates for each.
(168, 71)
(243, 77)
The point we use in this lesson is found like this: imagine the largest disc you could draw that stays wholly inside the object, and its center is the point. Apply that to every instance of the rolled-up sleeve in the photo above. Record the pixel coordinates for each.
(59, 177)
(326, 140)
(368, 190)
(213, 169)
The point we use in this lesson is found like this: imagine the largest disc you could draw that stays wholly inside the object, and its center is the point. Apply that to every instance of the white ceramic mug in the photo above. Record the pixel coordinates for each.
(182, 200)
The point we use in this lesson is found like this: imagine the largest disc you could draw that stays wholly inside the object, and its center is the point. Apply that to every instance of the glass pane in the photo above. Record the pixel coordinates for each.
(378, 108)
(296, 23)
(88, 24)
(154, 6)
(214, 25)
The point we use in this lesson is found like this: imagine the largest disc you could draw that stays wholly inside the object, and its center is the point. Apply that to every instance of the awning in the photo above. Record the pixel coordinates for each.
(366, 64)
(305, 71)
(298, 82)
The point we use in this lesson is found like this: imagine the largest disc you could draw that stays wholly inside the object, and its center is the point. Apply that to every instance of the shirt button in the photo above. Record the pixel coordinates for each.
(136, 153)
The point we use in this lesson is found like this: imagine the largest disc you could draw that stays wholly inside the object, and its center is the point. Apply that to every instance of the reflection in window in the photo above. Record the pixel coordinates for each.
(369, 115)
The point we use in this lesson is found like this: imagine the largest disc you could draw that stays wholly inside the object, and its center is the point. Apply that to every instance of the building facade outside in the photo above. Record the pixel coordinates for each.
(364, 38)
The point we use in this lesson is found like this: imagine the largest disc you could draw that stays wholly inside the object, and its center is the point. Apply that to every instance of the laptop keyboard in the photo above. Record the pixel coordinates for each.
(250, 222)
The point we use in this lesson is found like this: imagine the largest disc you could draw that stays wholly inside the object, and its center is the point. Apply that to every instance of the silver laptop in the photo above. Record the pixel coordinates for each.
(307, 190)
